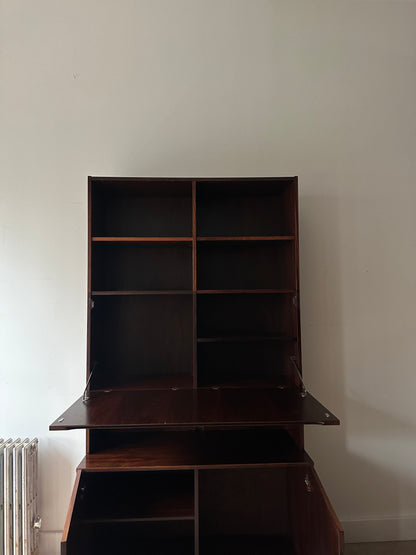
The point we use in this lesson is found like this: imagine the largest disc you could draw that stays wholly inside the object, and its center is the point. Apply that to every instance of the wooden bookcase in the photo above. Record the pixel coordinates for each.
(195, 406)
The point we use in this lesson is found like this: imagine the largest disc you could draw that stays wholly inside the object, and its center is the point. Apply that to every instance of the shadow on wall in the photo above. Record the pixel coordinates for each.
(359, 462)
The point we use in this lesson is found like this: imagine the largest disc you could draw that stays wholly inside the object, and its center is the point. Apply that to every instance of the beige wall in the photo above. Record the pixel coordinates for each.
(321, 89)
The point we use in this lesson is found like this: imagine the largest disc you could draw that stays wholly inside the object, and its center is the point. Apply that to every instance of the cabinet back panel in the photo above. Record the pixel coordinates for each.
(126, 266)
(239, 364)
(143, 209)
(245, 208)
(243, 502)
(134, 337)
(153, 538)
(192, 448)
(246, 315)
(246, 266)
(129, 495)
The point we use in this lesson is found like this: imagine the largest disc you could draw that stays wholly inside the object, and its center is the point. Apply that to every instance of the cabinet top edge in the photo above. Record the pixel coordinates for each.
(202, 179)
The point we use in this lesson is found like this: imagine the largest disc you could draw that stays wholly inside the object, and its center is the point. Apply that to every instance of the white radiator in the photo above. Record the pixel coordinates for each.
(19, 520)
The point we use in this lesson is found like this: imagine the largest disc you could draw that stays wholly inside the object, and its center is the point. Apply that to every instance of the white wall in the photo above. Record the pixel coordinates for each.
(325, 90)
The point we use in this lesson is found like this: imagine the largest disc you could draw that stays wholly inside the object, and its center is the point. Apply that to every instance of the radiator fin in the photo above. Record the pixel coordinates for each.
(19, 520)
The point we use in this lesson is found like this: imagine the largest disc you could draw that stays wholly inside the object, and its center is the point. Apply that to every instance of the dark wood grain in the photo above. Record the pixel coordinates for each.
(141, 337)
(196, 449)
(243, 501)
(258, 238)
(245, 339)
(70, 514)
(194, 288)
(195, 419)
(142, 292)
(315, 527)
(143, 240)
(137, 496)
(244, 291)
(166, 408)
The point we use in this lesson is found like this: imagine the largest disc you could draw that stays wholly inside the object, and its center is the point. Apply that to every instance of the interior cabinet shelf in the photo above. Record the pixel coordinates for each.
(245, 339)
(192, 449)
(194, 407)
(259, 238)
(243, 291)
(141, 292)
(135, 497)
(167, 240)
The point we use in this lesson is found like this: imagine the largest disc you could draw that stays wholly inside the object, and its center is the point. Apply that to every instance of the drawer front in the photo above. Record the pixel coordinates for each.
(316, 529)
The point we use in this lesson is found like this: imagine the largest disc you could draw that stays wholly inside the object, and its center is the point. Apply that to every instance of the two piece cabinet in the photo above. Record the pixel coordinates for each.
(195, 404)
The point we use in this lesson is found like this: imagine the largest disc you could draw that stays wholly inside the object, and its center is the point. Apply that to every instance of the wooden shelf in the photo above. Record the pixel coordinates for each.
(258, 238)
(141, 292)
(245, 339)
(243, 291)
(183, 408)
(126, 450)
(146, 240)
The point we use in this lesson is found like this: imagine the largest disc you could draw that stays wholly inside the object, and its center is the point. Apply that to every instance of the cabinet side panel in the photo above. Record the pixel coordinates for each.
(70, 514)
(89, 208)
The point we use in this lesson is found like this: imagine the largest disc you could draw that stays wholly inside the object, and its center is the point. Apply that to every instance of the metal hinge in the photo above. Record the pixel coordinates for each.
(308, 483)
(85, 395)
(92, 303)
(295, 300)
(303, 390)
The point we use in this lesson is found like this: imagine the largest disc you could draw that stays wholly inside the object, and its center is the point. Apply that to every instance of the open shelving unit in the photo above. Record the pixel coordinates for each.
(195, 404)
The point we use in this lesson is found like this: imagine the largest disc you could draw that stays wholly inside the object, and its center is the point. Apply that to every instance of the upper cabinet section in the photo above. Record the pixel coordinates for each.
(140, 208)
(246, 208)
(193, 283)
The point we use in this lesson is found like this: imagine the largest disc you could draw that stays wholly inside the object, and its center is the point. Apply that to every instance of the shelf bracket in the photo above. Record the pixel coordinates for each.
(85, 395)
(303, 390)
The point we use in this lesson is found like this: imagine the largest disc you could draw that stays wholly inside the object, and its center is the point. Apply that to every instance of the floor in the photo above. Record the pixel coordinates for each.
(385, 548)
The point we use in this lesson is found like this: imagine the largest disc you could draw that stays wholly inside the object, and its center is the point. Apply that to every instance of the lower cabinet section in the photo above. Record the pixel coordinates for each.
(203, 511)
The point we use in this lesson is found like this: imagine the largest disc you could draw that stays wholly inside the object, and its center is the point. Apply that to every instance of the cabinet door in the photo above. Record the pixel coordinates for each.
(316, 529)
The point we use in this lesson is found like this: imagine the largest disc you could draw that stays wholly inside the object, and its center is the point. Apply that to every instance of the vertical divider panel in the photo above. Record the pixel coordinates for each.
(194, 289)
(196, 511)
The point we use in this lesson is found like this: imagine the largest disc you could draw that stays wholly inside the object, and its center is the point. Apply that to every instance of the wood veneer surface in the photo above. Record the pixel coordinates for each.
(189, 407)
